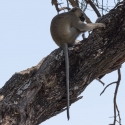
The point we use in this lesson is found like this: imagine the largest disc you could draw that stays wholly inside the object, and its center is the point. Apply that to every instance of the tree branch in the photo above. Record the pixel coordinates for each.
(115, 95)
(94, 7)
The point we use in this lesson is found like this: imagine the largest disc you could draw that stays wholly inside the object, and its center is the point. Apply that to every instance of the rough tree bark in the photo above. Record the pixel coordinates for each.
(39, 93)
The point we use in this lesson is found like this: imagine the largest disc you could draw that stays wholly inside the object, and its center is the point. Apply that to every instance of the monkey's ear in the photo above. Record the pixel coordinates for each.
(74, 9)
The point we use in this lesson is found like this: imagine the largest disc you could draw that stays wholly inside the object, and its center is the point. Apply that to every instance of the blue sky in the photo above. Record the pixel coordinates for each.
(25, 39)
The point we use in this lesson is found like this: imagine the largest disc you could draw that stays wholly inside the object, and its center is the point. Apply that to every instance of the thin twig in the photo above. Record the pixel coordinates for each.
(94, 7)
(115, 94)
(100, 81)
(85, 7)
(118, 114)
(106, 87)
(118, 4)
(102, 7)
(68, 4)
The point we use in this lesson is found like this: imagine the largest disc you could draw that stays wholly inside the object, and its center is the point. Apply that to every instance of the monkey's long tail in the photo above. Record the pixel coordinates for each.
(65, 50)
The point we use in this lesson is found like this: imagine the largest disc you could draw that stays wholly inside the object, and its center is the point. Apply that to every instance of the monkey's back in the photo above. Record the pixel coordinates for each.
(62, 30)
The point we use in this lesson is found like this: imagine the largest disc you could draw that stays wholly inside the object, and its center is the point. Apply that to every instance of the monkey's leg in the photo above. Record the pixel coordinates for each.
(65, 50)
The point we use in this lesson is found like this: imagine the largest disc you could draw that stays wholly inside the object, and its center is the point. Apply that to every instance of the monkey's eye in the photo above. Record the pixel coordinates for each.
(82, 18)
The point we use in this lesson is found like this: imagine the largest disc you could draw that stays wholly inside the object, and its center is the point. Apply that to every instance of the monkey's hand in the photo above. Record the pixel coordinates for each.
(101, 25)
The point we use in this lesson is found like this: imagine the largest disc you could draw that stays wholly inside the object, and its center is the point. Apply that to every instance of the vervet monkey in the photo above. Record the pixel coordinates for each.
(65, 28)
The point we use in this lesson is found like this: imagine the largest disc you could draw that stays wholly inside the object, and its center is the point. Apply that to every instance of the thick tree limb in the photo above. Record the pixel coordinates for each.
(38, 93)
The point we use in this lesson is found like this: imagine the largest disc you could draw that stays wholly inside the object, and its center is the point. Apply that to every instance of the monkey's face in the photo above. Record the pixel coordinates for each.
(78, 12)
(82, 17)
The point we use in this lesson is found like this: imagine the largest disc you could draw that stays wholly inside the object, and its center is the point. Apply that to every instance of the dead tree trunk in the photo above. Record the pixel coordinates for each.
(39, 93)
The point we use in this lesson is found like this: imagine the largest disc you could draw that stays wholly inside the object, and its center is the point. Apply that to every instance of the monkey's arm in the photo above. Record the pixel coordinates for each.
(86, 27)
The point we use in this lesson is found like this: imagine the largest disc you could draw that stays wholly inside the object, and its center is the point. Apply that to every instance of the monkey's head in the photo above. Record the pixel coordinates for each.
(78, 12)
